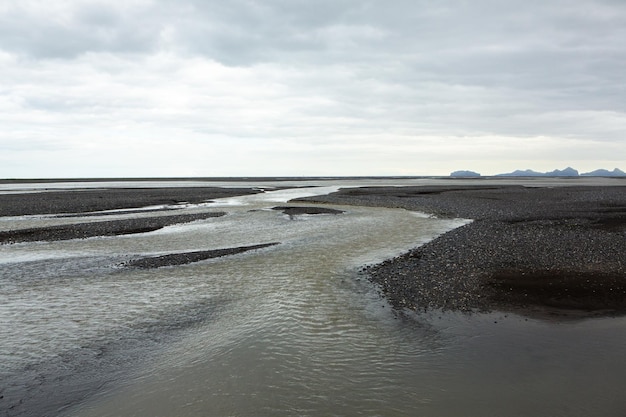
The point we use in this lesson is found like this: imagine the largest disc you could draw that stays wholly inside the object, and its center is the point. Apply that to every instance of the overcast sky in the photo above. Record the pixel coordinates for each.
(320, 87)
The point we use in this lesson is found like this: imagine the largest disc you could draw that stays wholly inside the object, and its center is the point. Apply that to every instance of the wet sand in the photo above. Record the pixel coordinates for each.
(551, 253)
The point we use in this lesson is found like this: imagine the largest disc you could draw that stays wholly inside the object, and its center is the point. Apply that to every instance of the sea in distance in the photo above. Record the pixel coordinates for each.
(293, 329)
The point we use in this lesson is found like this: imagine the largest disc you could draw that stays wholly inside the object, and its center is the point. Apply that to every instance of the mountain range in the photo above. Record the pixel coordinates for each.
(567, 172)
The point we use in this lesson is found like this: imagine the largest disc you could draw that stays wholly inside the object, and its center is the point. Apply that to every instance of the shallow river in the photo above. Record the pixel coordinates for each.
(288, 330)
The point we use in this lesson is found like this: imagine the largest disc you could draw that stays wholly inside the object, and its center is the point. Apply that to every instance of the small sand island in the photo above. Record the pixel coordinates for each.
(299, 210)
(183, 258)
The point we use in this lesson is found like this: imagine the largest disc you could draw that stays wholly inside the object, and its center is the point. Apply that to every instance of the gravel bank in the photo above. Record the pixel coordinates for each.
(183, 258)
(86, 200)
(546, 252)
(297, 210)
(104, 228)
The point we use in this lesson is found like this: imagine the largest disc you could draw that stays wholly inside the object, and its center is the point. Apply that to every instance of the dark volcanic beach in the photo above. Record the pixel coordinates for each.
(554, 253)
(546, 251)
(88, 200)
(156, 322)
(100, 228)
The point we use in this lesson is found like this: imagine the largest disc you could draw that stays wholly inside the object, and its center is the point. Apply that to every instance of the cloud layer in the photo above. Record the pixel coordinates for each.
(284, 87)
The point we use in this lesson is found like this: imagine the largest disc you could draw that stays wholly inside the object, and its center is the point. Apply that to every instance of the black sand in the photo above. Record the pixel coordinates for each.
(104, 228)
(183, 258)
(546, 252)
(86, 200)
(298, 210)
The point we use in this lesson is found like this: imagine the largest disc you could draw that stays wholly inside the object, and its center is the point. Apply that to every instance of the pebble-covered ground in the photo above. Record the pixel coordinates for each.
(87, 200)
(548, 252)
(100, 228)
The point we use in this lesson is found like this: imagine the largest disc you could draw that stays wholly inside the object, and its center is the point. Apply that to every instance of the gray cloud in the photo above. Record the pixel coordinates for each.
(313, 71)
(70, 30)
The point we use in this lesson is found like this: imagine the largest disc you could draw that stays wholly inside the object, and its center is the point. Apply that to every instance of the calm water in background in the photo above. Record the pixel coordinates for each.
(287, 330)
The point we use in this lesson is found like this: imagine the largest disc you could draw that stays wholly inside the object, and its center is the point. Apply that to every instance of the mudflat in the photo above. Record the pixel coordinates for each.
(552, 253)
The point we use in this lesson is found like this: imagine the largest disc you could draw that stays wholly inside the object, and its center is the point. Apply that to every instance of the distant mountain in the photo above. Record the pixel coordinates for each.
(605, 173)
(465, 174)
(520, 173)
(567, 172)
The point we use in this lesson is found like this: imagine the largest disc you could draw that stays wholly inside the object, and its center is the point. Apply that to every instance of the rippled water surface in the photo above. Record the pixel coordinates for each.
(291, 329)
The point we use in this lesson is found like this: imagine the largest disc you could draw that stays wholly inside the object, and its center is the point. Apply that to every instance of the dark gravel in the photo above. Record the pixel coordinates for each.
(86, 200)
(298, 210)
(183, 258)
(104, 228)
(546, 252)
